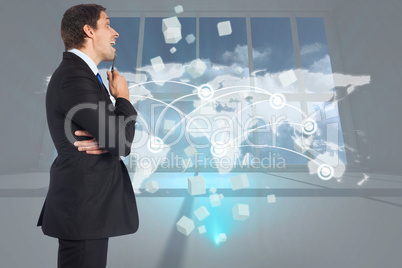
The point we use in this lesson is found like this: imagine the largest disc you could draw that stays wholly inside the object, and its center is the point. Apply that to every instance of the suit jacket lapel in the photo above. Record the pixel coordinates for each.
(82, 64)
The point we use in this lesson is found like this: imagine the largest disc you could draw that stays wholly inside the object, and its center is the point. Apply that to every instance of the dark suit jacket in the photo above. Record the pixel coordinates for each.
(89, 196)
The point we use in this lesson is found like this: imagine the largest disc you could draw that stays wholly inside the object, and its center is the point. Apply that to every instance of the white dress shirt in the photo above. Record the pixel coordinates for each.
(85, 58)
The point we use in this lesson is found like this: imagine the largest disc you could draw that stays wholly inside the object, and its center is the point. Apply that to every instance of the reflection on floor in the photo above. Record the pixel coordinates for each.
(313, 223)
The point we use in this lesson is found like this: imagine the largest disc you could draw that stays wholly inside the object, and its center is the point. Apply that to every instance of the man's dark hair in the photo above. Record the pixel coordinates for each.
(73, 22)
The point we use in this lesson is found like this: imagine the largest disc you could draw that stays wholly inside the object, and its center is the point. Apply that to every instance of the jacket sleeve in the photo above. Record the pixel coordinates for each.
(84, 103)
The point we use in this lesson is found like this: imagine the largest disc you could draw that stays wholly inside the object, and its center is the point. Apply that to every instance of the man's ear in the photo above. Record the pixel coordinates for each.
(89, 31)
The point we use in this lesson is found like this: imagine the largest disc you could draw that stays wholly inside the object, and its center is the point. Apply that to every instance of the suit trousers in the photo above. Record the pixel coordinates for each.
(82, 253)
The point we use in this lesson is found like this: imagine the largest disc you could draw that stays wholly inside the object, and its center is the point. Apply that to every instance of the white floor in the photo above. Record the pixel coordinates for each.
(312, 224)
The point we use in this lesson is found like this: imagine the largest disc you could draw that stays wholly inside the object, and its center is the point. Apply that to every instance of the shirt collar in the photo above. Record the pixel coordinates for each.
(85, 58)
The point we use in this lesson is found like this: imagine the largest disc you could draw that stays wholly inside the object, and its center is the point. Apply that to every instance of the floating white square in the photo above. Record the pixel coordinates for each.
(201, 213)
(239, 182)
(222, 237)
(196, 185)
(157, 64)
(171, 29)
(152, 186)
(202, 229)
(240, 212)
(287, 78)
(271, 198)
(178, 9)
(190, 38)
(224, 28)
(168, 125)
(185, 225)
(215, 200)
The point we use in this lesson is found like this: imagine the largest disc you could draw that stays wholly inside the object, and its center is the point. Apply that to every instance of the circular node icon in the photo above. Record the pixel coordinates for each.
(325, 172)
(218, 151)
(309, 126)
(277, 101)
(205, 92)
(155, 144)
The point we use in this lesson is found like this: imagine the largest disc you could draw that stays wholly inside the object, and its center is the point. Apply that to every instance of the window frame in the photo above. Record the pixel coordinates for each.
(345, 115)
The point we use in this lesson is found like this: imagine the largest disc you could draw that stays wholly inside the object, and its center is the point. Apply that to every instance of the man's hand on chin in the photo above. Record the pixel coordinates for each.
(89, 146)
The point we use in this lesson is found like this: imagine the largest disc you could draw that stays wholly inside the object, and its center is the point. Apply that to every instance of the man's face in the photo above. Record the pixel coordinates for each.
(105, 37)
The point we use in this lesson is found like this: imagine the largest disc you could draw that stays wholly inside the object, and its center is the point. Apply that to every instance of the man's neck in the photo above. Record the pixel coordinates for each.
(90, 53)
(91, 64)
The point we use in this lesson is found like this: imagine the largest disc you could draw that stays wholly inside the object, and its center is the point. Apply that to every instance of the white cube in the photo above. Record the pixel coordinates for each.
(271, 198)
(287, 78)
(171, 29)
(190, 38)
(239, 70)
(212, 190)
(173, 50)
(201, 213)
(240, 212)
(224, 28)
(196, 185)
(172, 35)
(157, 64)
(152, 186)
(185, 225)
(239, 182)
(172, 22)
(196, 68)
(202, 229)
(215, 200)
(221, 196)
(222, 237)
(168, 125)
(178, 9)
(190, 151)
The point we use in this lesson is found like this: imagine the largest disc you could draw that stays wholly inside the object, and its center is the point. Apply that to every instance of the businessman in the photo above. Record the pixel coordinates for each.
(90, 196)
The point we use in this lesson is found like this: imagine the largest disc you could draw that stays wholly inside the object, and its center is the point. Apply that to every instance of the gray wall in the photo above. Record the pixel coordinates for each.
(369, 39)
(369, 35)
